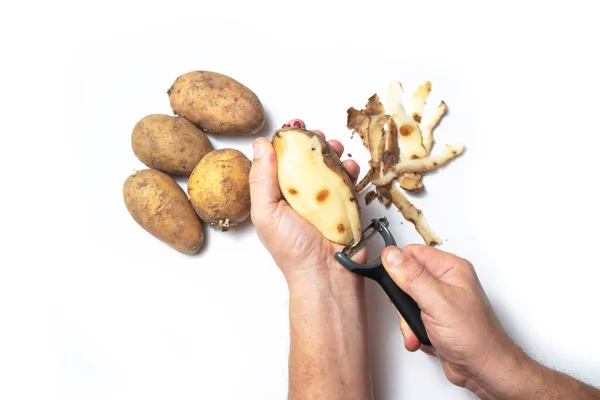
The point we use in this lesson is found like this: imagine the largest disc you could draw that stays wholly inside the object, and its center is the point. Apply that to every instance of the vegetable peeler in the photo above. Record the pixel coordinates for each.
(407, 307)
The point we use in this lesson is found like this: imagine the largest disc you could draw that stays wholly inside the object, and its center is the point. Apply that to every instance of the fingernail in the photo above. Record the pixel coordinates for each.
(285, 126)
(297, 124)
(394, 257)
(259, 150)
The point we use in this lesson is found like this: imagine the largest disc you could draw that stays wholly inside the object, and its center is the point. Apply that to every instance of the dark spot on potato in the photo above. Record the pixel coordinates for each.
(341, 228)
(419, 211)
(352, 199)
(181, 150)
(406, 130)
(322, 195)
(454, 152)
(435, 164)
(414, 157)
(292, 191)
(277, 134)
(416, 117)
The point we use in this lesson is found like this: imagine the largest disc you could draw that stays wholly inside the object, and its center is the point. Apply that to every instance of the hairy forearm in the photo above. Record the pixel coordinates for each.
(529, 380)
(547, 384)
(556, 385)
(328, 341)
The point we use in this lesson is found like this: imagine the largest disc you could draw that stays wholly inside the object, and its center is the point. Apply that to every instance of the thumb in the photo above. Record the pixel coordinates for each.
(264, 187)
(413, 278)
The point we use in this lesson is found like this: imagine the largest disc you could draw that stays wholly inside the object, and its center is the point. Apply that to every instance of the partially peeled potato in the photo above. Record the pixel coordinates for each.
(315, 184)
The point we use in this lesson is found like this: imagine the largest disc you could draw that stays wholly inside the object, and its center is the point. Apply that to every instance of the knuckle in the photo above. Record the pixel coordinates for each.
(467, 268)
(412, 248)
(414, 272)
(467, 274)
(253, 177)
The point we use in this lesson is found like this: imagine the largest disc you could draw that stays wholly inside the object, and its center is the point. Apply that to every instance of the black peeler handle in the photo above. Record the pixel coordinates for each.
(407, 307)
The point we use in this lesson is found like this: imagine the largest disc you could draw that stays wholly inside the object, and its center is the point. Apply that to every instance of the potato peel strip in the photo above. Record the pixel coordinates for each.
(415, 216)
(420, 165)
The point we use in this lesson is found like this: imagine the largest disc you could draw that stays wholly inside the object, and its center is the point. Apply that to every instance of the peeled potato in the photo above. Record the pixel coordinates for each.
(159, 205)
(219, 188)
(314, 182)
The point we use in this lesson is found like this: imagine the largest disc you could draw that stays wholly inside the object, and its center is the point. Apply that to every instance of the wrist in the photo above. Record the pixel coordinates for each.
(328, 282)
(514, 376)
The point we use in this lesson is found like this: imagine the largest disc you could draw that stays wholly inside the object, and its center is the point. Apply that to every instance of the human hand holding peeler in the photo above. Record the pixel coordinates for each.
(375, 270)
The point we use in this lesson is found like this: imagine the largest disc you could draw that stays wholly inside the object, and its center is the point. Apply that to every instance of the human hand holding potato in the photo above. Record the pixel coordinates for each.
(302, 253)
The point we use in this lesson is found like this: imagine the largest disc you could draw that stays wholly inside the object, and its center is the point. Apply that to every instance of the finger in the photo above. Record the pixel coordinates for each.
(353, 169)
(318, 132)
(437, 262)
(453, 377)
(413, 278)
(337, 146)
(411, 343)
(264, 187)
(297, 123)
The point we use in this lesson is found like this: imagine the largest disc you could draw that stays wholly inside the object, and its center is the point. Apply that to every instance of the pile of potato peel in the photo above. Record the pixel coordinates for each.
(400, 145)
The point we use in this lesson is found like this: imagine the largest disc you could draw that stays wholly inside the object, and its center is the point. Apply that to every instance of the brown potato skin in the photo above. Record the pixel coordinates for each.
(219, 188)
(169, 144)
(216, 103)
(160, 206)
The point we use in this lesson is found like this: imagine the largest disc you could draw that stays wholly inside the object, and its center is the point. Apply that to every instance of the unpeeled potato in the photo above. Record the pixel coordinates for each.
(219, 188)
(216, 103)
(169, 144)
(160, 206)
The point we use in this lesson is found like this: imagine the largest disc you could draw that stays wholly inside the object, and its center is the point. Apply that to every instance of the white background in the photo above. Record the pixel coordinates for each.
(92, 307)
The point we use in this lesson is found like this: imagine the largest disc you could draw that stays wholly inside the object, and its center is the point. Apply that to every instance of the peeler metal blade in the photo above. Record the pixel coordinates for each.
(380, 226)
